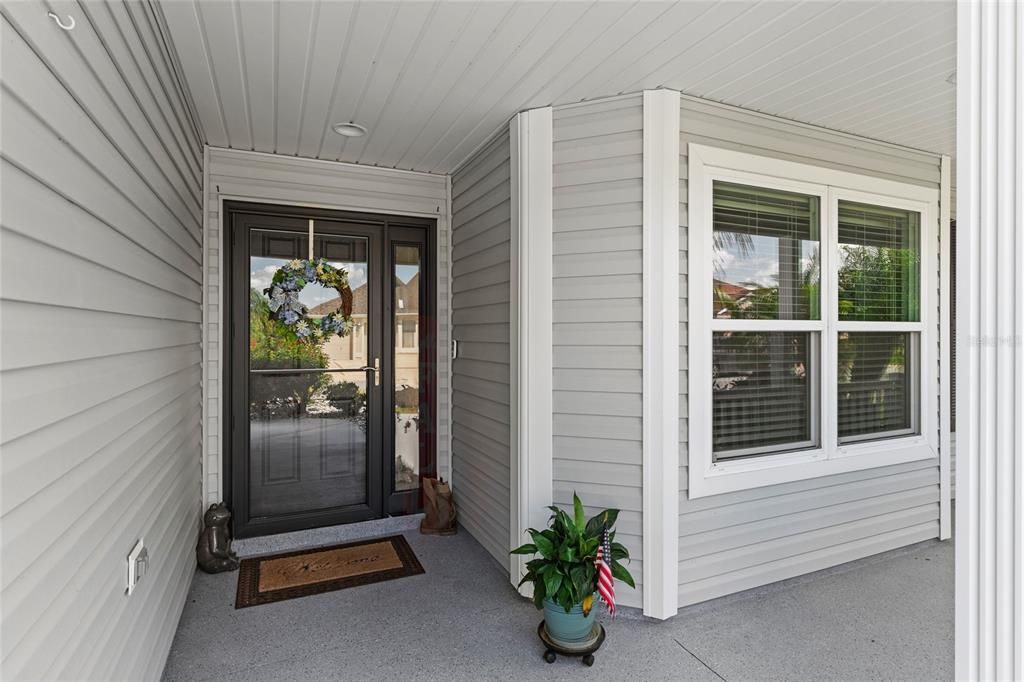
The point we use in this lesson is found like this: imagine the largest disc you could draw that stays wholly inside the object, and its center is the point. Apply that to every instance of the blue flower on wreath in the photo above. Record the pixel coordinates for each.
(333, 324)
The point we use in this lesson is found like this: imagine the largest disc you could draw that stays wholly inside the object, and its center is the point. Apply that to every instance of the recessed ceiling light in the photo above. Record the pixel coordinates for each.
(349, 129)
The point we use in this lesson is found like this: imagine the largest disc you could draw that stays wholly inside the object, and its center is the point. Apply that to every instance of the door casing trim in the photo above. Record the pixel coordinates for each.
(263, 178)
(227, 207)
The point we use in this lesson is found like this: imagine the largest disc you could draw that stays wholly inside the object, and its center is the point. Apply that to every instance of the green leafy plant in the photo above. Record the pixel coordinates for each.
(566, 550)
(273, 346)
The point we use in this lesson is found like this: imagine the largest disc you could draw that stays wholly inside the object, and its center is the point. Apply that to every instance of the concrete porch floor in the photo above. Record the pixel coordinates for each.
(883, 618)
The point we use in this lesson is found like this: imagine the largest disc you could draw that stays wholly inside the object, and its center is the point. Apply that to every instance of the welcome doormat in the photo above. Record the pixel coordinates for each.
(288, 575)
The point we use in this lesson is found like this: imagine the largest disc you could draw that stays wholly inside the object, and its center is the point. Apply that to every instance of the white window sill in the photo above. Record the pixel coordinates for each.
(707, 478)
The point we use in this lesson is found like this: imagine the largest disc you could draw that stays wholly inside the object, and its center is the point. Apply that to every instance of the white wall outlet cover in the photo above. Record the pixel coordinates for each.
(138, 561)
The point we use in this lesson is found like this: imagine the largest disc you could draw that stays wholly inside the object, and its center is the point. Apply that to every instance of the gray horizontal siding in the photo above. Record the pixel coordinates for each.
(597, 314)
(481, 290)
(736, 541)
(101, 312)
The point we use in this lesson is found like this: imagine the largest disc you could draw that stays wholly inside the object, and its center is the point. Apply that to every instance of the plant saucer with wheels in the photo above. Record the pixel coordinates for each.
(564, 575)
(586, 652)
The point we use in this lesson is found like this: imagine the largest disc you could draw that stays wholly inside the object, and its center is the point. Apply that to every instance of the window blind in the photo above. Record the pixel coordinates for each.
(874, 384)
(766, 245)
(761, 394)
(742, 209)
(879, 263)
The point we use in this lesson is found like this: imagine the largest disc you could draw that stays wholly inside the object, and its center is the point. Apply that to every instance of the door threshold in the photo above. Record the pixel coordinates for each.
(330, 535)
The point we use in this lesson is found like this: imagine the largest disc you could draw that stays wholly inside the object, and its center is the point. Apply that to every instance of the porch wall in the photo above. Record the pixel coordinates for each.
(481, 290)
(735, 541)
(102, 295)
(597, 226)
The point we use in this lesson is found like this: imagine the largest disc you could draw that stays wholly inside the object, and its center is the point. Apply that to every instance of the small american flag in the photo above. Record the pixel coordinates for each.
(605, 583)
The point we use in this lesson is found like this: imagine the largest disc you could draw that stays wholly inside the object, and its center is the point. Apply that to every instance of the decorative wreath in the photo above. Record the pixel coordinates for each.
(285, 307)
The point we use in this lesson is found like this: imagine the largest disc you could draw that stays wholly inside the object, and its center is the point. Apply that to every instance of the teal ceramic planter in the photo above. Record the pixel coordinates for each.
(572, 627)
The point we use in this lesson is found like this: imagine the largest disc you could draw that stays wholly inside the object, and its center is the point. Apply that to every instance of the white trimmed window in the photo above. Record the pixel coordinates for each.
(812, 342)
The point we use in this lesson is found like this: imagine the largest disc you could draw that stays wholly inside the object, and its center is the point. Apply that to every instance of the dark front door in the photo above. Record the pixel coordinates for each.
(340, 430)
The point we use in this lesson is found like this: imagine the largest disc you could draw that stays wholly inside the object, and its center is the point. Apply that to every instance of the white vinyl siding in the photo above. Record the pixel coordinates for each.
(288, 180)
(101, 312)
(598, 314)
(481, 290)
(738, 540)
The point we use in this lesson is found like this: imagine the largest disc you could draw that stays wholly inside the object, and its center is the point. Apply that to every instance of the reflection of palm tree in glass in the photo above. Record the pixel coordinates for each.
(731, 242)
(760, 302)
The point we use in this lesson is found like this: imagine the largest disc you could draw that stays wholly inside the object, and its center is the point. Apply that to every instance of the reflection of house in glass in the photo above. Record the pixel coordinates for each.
(351, 352)
(348, 351)
(727, 296)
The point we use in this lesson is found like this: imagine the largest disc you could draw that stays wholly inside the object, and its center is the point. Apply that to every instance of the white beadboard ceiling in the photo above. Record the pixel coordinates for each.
(432, 80)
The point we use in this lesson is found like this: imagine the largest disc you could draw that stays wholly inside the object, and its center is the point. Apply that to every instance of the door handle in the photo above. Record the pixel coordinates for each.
(376, 371)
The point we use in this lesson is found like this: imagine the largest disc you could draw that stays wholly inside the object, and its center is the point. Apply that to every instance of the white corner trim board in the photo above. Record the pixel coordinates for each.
(710, 477)
(660, 353)
(990, 342)
(530, 325)
(945, 439)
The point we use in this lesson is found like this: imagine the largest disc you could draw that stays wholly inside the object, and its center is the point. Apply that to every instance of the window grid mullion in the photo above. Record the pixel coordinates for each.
(830, 309)
(727, 325)
(873, 326)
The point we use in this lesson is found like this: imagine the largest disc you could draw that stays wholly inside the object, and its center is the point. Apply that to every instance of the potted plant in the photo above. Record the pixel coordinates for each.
(565, 571)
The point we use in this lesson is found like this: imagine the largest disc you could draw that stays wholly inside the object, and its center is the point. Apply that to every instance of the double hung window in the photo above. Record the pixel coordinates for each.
(809, 332)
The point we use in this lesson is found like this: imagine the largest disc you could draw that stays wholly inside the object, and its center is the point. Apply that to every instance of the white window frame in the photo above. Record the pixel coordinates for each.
(707, 477)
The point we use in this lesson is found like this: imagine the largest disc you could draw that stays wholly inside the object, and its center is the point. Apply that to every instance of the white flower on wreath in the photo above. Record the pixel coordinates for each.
(301, 326)
(295, 264)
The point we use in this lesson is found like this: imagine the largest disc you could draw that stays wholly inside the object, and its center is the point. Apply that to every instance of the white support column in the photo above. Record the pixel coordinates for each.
(530, 324)
(661, 354)
(990, 342)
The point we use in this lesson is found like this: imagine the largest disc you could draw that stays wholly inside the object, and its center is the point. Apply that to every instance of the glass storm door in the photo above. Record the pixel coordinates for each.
(310, 443)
